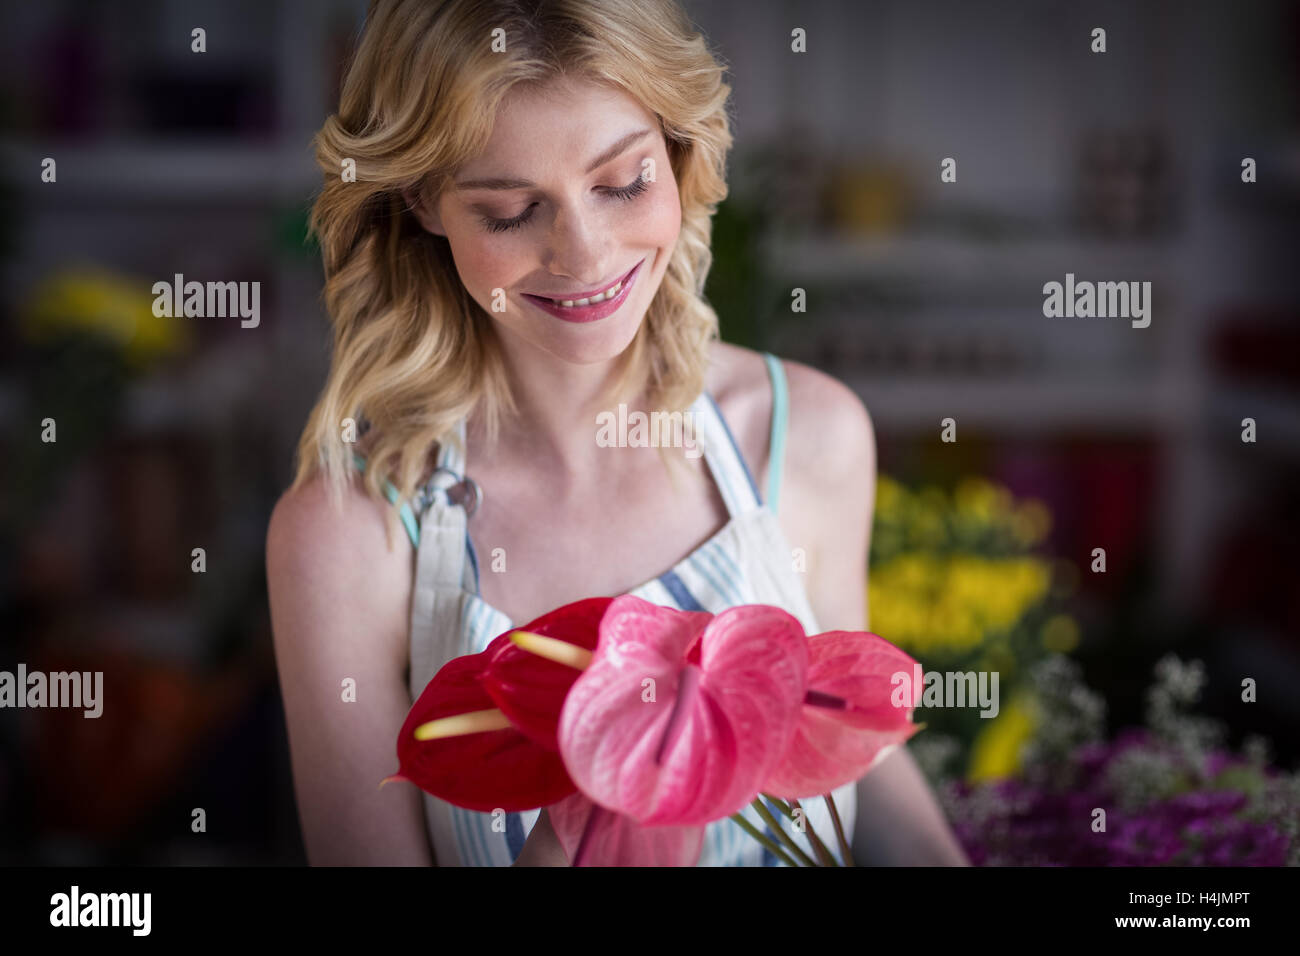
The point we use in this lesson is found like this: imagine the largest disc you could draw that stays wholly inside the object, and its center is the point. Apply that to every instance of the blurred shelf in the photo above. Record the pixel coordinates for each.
(192, 173)
(170, 629)
(962, 260)
(161, 630)
(1276, 412)
(1032, 405)
(204, 395)
(1277, 174)
(1040, 404)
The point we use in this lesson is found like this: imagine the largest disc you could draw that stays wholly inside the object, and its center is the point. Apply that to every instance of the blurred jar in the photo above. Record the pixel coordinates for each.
(872, 198)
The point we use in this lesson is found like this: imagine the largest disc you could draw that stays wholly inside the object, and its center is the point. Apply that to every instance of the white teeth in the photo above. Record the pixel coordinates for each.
(579, 303)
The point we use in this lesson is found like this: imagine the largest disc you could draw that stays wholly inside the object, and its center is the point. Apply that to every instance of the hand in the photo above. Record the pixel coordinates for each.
(542, 848)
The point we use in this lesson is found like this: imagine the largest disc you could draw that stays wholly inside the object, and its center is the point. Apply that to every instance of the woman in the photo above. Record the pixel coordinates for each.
(512, 162)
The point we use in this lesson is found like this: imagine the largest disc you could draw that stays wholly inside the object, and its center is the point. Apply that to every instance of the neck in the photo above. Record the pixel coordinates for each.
(557, 404)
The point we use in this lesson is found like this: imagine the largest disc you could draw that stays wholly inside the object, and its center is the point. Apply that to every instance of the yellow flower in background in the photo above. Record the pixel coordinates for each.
(889, 496)
(953, 572)
(957, 577)
(930, 518)
(1031, 523)
(980, 498)
(997, 749)
(100, 303)
(926, 602)
(1060, 633)
(929, 529)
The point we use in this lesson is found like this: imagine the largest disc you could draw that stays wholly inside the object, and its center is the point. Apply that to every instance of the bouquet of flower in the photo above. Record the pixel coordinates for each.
(637, 725)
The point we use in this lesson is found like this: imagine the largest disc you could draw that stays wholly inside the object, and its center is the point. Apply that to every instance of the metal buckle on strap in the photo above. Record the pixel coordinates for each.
(457, 489)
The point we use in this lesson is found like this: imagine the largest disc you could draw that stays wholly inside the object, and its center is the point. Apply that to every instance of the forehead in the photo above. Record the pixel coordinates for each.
(573, 111)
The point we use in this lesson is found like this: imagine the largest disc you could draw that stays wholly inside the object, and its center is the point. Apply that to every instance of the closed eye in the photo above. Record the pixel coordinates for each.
(631, 191)
(638, 186)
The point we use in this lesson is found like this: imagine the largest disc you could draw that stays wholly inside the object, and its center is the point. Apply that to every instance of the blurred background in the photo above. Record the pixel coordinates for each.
(1120, 688)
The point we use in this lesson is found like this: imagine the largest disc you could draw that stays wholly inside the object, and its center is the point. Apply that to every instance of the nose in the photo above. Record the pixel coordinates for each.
(578, 246)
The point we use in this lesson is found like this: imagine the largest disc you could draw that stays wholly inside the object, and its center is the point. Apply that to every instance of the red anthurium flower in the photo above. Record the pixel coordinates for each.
(594, 836)
(530, 690)
(504, 754)
(847, 719)
(681, 716)
(500, 768)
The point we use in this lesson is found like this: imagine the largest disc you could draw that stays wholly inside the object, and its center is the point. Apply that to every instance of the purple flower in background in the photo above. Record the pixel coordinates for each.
(1169, 800)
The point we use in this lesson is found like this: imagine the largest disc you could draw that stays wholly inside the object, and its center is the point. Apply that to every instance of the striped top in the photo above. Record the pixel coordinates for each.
(747, 562)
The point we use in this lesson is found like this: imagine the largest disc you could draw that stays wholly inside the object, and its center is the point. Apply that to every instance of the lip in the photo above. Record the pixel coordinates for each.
(589, 313)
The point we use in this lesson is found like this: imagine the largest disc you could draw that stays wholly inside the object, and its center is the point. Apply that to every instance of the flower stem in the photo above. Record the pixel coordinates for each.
(780, 804)
(771, 821)
(763, 839)
(823, 854)
(845, 849)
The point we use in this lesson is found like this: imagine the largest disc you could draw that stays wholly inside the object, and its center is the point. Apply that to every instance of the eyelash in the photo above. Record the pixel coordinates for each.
(638, 186)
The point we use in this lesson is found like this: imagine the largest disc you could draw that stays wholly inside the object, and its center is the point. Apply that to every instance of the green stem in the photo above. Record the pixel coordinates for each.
(763, 839)
(822, 853)
(771, 821)
(780, 805)
(825, 855)
(845, 849)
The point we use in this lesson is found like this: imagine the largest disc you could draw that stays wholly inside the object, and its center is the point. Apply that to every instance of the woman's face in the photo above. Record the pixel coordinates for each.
(560, 205)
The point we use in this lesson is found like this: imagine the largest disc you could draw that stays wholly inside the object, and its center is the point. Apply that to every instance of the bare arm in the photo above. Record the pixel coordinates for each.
(339, 600)
(828, 501)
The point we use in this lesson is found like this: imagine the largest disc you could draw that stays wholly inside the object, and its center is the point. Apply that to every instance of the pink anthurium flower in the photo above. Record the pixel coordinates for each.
(681, 716)
(594, 836)
(848, 719)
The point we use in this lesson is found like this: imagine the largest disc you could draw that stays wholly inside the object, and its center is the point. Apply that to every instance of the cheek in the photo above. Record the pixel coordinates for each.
(483, 265)
(663, 218)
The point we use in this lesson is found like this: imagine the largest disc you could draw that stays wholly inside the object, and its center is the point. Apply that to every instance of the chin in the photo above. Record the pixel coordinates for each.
(592, 346)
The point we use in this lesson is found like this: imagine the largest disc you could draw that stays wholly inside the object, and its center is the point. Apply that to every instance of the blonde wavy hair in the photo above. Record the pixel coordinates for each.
(412, 351)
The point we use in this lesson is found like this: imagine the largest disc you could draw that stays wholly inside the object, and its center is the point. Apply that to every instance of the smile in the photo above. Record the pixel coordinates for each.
(590, 307)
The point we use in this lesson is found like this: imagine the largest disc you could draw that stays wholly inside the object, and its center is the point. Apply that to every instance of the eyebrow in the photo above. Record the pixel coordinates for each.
(616, 150)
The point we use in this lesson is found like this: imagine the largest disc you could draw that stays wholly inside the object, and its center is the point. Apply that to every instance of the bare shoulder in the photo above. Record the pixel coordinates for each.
(308, 529)
(739, 382)
(328, 562)
(829, 493)
(830, 437)
(830, 441)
